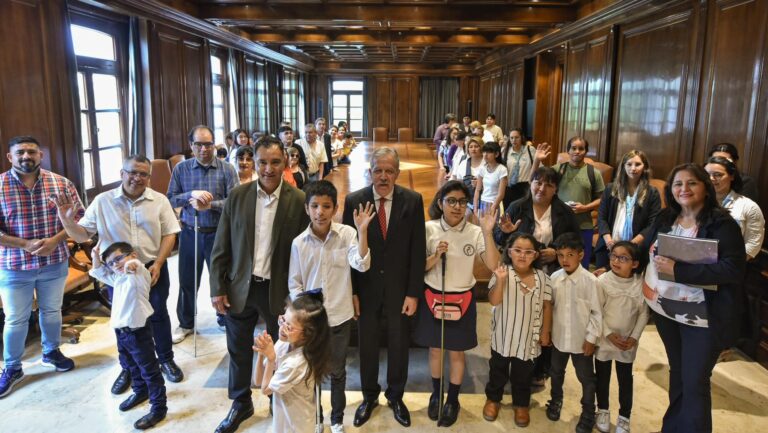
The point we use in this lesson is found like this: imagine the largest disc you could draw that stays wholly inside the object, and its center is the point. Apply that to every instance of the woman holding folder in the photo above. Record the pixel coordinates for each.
(696, 312)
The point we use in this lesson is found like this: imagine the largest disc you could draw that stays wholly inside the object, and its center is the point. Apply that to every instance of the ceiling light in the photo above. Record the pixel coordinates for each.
(422, 28)
(308, 27)
(469, 29)
(355, 27)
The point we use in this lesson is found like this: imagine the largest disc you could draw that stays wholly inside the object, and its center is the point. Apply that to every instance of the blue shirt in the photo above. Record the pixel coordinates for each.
(189, 175)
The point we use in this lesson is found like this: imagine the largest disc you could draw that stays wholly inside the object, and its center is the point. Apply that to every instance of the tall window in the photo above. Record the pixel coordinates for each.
(219, 88)
(347, 104)
(101, 90)
(290, 100)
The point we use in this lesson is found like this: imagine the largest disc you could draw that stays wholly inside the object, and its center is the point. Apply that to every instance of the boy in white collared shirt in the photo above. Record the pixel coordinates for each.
(576, 326)
(321, 258)
(130, 311)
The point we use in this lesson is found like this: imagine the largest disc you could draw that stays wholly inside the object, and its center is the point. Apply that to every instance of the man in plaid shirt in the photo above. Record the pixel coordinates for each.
(33, 257)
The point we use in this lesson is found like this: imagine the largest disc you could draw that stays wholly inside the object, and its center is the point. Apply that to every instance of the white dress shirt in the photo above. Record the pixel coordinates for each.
(387, 204)
(130, 296)
(542, 230)
(293, 401)
(266, 208)
(750, 219)
(465, 242)
(324, 264)
(142, 222)
(315, 154)
(624, 314)
(576, 312)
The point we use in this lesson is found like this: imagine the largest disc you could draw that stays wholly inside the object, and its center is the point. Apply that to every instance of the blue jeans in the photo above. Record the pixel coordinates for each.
(137, 354)
(17, 289)
(185, 307)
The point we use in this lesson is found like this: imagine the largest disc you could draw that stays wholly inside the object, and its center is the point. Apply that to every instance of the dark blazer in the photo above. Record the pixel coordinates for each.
(397, 263)
(642, 222)
(232, 256)
(563, 219)
(723, 305)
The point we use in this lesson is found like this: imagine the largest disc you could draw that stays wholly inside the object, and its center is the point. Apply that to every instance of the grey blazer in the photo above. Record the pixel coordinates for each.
(232, 256)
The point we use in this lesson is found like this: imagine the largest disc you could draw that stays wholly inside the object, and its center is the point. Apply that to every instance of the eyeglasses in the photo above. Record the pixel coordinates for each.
(620, 259)
(205, 144)
(139, 174)
(461, 202)
(522, 252)
(288, 327)
(116, 260)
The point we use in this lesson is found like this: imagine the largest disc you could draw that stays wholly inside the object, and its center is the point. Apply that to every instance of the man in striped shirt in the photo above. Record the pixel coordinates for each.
(199, 186)
(33, 257)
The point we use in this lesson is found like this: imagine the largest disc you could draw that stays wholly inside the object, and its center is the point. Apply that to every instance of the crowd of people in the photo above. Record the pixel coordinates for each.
(260, 215)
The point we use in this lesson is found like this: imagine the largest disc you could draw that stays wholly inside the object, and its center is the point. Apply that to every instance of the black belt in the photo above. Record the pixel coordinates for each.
(199, 229)
(256, 279)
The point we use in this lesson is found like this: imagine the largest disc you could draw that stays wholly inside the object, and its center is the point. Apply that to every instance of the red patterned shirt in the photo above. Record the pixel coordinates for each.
(29, 214)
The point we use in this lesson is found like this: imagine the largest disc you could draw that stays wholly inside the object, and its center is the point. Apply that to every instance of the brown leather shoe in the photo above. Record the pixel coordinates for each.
(491, 410)
(522, 417)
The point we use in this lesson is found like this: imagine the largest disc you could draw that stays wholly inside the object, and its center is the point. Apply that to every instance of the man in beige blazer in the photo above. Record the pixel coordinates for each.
(249, 272)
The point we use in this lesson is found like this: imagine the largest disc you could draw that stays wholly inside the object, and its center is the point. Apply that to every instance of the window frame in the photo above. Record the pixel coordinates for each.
(348, 94)
(220, 80)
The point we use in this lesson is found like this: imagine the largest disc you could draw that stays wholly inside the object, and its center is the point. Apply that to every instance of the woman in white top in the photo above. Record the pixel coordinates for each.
(491, 180)
(296, 363)
(728, 183)
(241, 139)
(246, 169)
(451, 236)
(518, 156)
(625, 315)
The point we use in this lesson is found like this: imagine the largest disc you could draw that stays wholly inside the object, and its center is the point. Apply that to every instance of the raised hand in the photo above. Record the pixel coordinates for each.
(488, 219)
(501, 271)
(66, 209)
(96, 256)
(543, 150)
(507, 226)
(363, 215)
(130, 267)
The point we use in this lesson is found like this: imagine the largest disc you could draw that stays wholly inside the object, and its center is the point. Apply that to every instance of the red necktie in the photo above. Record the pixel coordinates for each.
(382, 217)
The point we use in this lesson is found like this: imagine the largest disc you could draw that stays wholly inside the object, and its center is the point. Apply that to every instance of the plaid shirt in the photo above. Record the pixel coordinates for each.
(189, 175)
(29, 214)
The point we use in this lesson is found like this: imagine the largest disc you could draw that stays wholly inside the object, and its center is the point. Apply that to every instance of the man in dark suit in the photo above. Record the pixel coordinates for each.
(390, 289)
(249, 272)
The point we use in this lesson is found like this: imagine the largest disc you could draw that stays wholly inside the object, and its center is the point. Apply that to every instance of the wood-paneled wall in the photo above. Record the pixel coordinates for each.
(393, 102)
(501, 93)
(37, 82)
(180, 81)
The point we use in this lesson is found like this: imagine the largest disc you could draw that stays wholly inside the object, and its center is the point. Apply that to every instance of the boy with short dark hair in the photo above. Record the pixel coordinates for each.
(321, 258)
(130, 311)
(576, 326)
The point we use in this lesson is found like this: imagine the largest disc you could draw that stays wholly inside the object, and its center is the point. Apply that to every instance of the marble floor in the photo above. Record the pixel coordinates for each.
(80, 400)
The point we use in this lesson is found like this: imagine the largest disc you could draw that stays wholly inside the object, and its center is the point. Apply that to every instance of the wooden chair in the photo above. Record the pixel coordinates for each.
(161, 175)
(404, 134)
(380, 134)
(659, 184)
(175, 159)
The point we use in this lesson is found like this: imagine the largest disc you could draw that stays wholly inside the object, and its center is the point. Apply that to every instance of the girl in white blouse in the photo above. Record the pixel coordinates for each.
(296, 363)
(522, 321)
(620, 292)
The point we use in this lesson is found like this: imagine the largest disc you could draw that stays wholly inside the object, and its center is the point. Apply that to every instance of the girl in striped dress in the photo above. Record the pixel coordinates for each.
(522, 321)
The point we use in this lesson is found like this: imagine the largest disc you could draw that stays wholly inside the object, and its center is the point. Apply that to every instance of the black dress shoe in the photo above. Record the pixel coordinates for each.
(149, 420)
(401, 412)
(238, 413)
(364, 411)
(450, 414)
(133, 400)
(434, 406)
(171, 371)
(122, 382)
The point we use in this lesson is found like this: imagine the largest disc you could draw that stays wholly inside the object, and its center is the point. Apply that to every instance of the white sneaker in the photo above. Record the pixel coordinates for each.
(603, 421)
(319, 428)
(337, 428)
(179, 334)
(622, 425)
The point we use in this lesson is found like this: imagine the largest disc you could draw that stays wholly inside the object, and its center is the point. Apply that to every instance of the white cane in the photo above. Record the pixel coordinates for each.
(442, 341)
(194, 323)
(318, 410)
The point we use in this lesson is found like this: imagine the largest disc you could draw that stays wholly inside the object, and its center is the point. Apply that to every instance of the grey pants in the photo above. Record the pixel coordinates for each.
(339, 343)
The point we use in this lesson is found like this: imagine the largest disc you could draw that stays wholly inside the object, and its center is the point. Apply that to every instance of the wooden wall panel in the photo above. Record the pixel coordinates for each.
(180, 82)
(573, 92)
(652, 96)
(514, 97)
(549, 79)
(403, 98)
(36, 83)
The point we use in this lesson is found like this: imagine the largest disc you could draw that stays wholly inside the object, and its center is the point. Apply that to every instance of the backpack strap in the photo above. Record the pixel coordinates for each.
(591, 175)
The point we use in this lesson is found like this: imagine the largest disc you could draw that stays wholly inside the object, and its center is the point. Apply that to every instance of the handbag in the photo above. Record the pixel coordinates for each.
(468, 178)
(456, 303)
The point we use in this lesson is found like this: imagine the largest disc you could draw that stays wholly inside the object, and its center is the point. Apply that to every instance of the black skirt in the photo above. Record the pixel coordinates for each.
(460, 335)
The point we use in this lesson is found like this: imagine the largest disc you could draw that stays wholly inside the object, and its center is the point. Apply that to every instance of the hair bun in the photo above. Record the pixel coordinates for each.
(314, 294)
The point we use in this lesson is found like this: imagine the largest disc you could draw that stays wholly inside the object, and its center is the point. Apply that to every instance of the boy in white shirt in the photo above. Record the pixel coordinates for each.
(130, 311)
(576, 326)
(321, 258)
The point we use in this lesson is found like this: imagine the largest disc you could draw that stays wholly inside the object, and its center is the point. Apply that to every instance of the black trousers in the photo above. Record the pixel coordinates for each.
(692, 354)
(624, 375)
(514, 370)
(398, 342)
(240, 328)
(185, 307)
(542, 363)
(136, 350)
(585, 372)
(339, 343)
